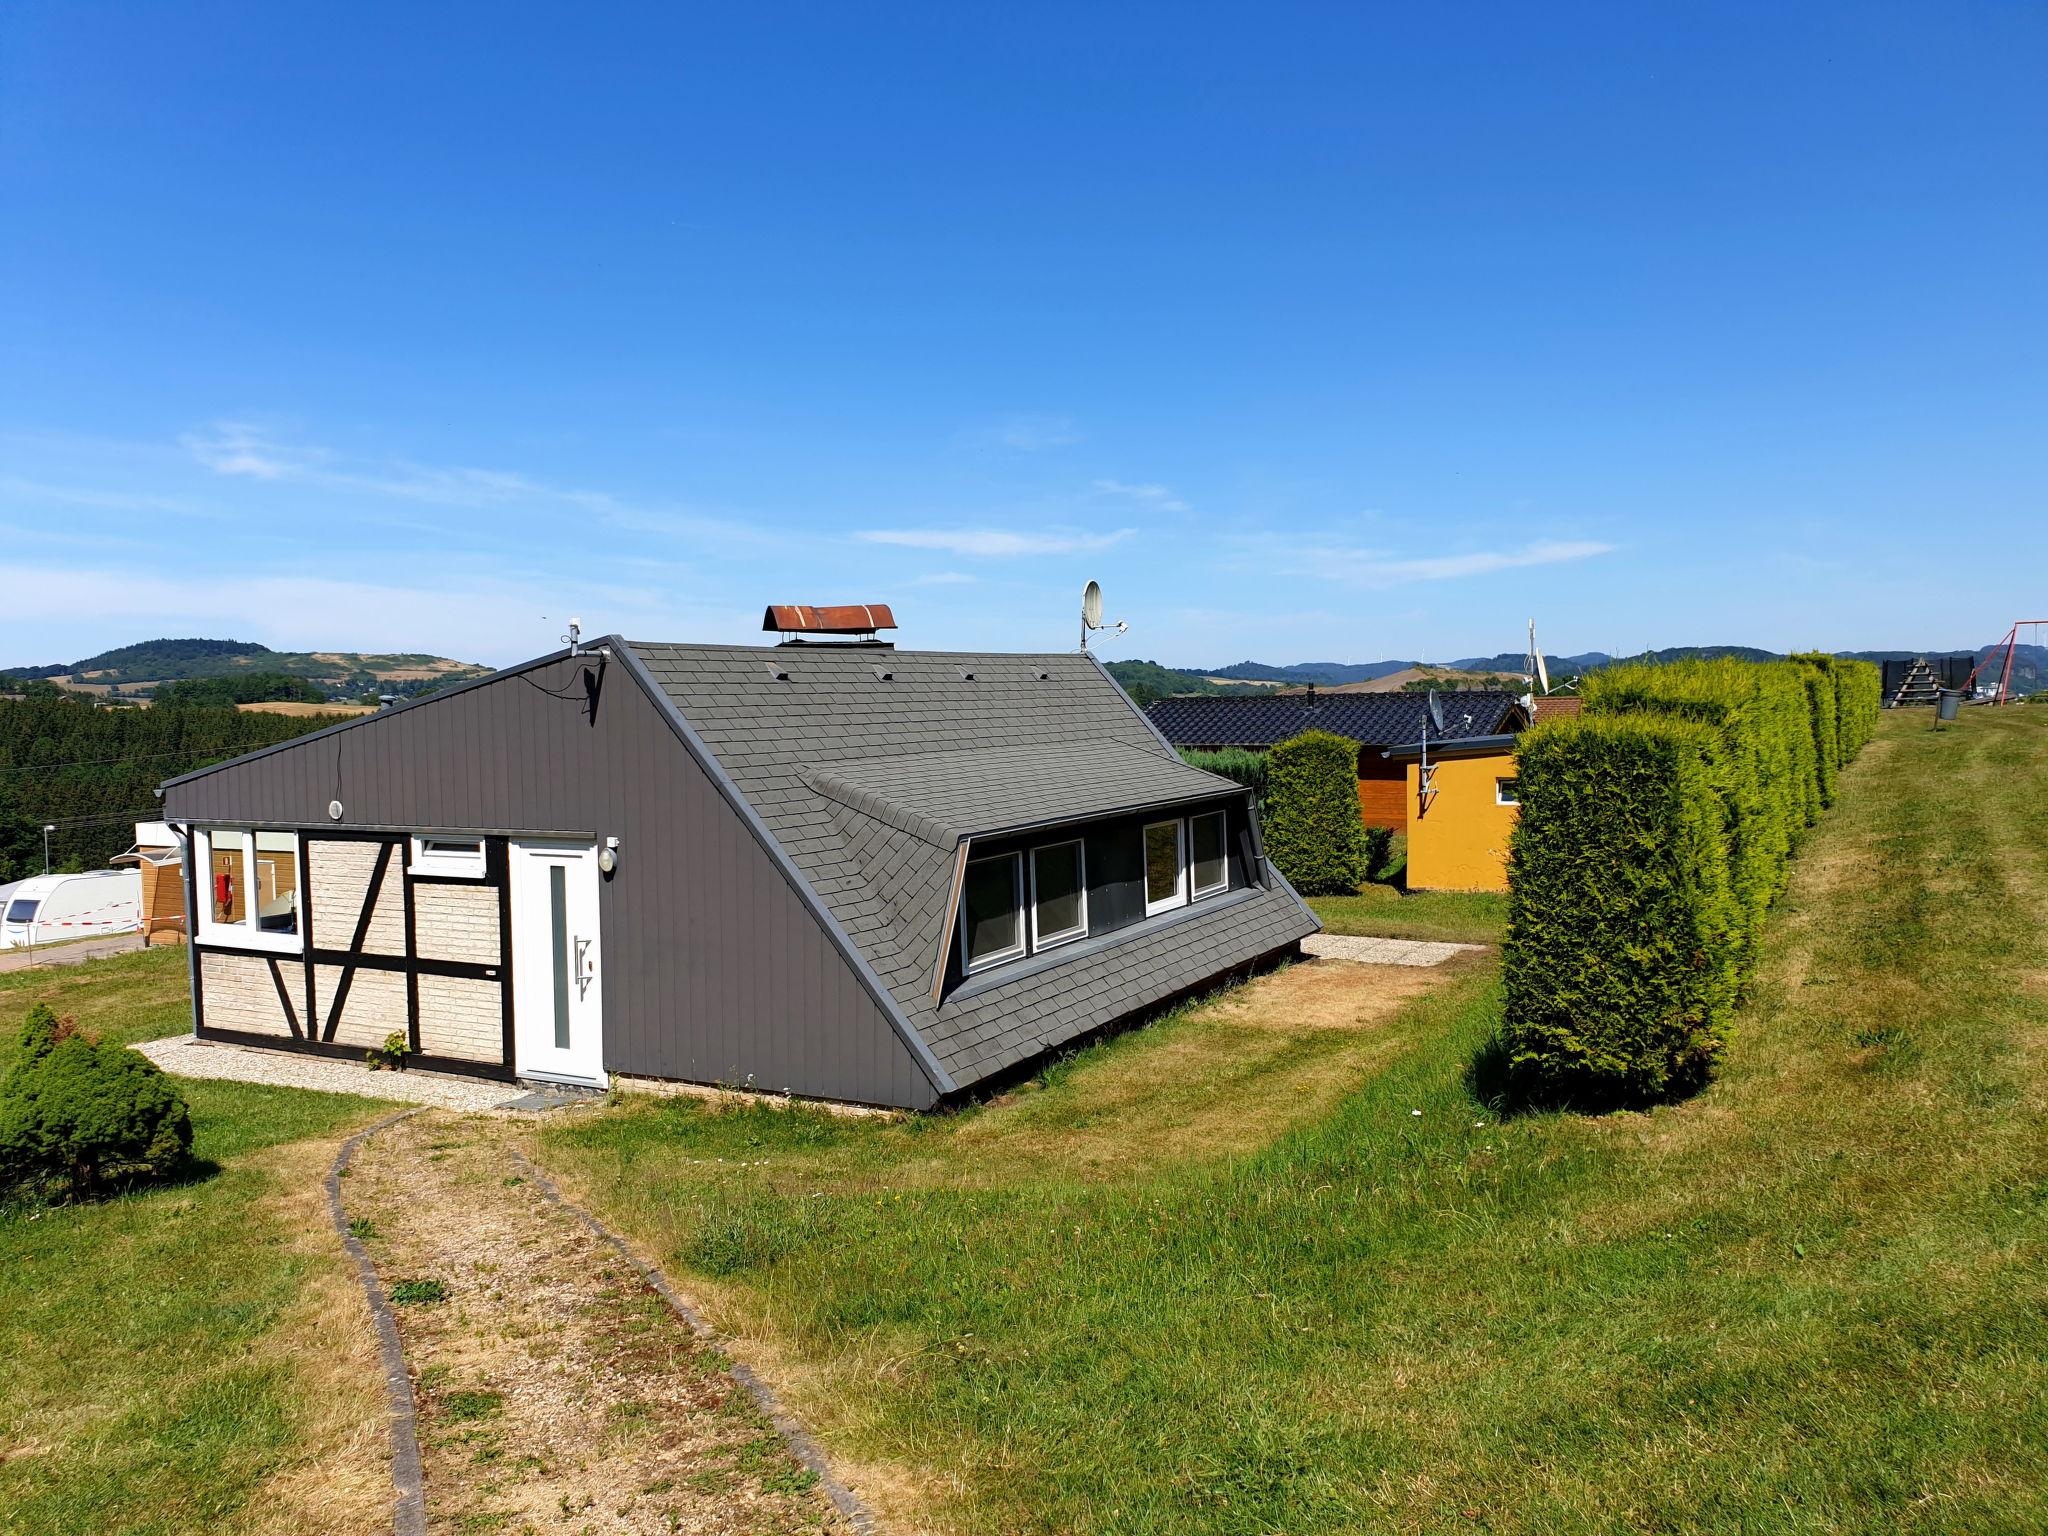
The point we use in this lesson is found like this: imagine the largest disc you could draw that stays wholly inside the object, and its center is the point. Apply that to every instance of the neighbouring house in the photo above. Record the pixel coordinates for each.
(159, 855)
(828, 868)
(1462, 810)
(1376, 721)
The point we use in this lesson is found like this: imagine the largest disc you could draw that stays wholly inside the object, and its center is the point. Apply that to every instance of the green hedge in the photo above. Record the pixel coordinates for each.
(1597, 1000)
(1623, 933)
(1822, 712)
(1246, 768)
(1312, 828)
(1859, 697)
(1747, 764)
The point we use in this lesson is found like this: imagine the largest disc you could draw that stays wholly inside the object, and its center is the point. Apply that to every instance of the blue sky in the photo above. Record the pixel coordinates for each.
(1313, 332)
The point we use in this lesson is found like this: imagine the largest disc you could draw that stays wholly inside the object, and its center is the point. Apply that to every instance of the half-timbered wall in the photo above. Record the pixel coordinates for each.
(387, 953)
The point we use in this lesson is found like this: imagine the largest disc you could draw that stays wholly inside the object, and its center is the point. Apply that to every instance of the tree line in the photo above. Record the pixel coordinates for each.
(93, 771)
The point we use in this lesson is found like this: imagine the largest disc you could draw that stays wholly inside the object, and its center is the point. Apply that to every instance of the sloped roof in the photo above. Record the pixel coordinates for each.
(945, 796)
(867, 767)
(1373, 719)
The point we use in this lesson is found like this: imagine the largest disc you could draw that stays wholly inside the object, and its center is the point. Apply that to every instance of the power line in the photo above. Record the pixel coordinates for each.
(137, 757)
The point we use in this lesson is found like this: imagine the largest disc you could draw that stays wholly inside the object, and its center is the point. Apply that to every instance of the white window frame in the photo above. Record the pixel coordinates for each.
(246, 934)
(1041, 940)
(448, 856)
(1197, 892)
(1015, 859)
(1499, 798)
(1179, 898)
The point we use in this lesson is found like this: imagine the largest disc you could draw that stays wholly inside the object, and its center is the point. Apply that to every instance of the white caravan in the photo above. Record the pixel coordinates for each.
(47, 909)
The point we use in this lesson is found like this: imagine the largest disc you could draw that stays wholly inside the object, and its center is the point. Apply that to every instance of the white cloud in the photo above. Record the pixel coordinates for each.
(1151, 495)
(1381, 568)
(237, 449)
(995, 543)
(57, 612)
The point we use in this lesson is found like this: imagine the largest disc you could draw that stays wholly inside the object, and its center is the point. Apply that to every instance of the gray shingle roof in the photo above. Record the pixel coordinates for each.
(867, 782)
(945, 796)
(1375, 719)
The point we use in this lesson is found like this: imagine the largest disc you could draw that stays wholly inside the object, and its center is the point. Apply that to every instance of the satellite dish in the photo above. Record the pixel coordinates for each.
(1091, 613)
(1436, 712)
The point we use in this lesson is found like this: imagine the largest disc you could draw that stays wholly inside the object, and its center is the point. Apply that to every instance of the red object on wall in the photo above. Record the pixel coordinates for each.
(224, 892)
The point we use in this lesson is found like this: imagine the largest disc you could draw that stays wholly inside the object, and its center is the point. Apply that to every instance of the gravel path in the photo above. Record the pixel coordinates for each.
(1337, 946)
(555, 1390)
(184, 1056)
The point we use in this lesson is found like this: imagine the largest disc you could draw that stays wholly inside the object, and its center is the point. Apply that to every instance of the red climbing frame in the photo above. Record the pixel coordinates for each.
(2004, 647)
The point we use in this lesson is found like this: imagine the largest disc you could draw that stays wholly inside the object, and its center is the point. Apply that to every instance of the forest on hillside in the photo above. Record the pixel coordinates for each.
(92, 771)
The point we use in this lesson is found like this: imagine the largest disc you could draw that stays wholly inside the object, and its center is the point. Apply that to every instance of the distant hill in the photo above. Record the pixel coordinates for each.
(1322, 673)
(136, 668)
(2030, 668)
(1145, 681)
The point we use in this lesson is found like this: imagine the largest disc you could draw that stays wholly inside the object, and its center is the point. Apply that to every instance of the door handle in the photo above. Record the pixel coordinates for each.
(586, 966)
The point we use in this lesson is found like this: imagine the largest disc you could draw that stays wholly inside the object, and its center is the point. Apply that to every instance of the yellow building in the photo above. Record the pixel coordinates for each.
(1459, 821)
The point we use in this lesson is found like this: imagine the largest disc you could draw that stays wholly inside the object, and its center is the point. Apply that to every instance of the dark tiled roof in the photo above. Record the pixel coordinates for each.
(1375, 719)
(945, 796)
(867, 782)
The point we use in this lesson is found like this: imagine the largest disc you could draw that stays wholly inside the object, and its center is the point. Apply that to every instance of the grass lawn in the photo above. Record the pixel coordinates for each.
(1151, 1295)
(1382, 910)
(192, 1358)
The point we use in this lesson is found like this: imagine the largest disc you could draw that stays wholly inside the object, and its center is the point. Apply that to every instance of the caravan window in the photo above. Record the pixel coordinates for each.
(251, 899)
(23, 909)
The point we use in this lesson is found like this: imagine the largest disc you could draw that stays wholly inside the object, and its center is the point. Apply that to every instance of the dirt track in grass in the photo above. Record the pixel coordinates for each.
(556, 1392)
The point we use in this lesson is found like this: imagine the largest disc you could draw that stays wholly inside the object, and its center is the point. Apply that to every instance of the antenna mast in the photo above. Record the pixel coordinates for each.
(1533, 661)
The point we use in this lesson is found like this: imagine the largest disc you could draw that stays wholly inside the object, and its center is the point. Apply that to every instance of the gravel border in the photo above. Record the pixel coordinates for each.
(187, 1056)
(408, 1484)
(805, 1449)
(1365, 951)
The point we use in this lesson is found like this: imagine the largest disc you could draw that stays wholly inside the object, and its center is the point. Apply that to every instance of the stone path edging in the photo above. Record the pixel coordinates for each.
(806, 1450)
(409, 1506)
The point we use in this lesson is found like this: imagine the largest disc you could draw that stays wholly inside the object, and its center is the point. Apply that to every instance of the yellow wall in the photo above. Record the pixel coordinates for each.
(1461, 842)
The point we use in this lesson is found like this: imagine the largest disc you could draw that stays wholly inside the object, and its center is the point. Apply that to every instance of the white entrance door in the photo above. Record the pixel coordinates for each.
(557, 985)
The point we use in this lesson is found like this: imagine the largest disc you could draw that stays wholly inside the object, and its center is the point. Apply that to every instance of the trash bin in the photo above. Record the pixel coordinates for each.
(1947, 701)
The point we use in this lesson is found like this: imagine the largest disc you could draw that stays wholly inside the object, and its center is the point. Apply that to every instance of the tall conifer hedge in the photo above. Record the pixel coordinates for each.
(1654, 834)
(1623, 933)
(1312, 828)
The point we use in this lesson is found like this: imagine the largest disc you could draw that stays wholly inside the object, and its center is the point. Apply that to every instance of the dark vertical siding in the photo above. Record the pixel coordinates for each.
(715, 969)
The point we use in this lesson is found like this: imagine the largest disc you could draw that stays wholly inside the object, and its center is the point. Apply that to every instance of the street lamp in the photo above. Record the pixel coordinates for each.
(47, 830)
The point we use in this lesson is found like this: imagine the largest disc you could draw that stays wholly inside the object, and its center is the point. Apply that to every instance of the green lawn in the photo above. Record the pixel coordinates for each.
(1813, 1299)
(1382, 911)
(162, 1368)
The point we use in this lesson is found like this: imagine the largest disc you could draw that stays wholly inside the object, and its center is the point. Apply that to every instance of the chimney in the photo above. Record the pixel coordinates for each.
(847, 624)
(1311, 695)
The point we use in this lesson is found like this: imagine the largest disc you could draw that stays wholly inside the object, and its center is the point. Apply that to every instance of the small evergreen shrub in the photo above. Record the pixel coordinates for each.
(1313, 833)
(79, 1116)
(1620, 964)
(1234, 763)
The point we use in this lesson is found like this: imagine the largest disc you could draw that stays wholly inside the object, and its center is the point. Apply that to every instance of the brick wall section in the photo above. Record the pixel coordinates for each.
(340, 873)
(237, 992)
(375, 1007)
(461, 1017)
(456, 922)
